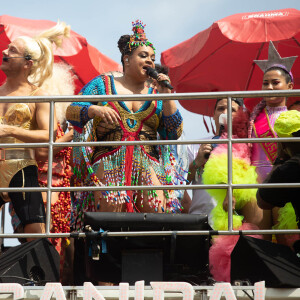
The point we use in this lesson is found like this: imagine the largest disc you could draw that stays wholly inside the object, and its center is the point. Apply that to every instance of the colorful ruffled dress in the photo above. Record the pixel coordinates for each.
(216, 172)
(123, 165)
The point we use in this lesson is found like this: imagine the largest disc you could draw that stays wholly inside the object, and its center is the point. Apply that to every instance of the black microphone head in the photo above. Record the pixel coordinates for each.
(152, 72)
(5, 59)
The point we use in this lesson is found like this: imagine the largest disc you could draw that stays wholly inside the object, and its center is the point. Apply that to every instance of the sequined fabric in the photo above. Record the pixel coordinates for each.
(18, 115)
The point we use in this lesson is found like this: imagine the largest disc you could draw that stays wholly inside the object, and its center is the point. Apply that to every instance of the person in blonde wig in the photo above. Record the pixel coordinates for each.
(60, 83)
(27, 63)
(40, 50)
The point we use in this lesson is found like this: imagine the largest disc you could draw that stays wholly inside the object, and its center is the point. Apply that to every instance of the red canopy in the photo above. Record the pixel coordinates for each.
(86, 61)
(220, 58)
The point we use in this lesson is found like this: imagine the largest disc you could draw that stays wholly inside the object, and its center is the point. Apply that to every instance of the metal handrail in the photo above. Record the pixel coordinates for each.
(184, 96)
(156, 233)
(156, 142)
(147, 97)
(150, 188)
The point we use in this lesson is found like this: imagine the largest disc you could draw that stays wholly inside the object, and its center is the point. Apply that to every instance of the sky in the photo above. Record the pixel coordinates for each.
(168, 22)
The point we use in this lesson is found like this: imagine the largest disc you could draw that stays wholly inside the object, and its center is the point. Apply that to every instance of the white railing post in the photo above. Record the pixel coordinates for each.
(184, 96)
(229, 153)
(50, 165)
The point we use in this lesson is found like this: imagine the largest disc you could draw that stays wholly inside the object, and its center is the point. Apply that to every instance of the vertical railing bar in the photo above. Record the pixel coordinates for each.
(2, 227)
(229, 153)
(50, 163)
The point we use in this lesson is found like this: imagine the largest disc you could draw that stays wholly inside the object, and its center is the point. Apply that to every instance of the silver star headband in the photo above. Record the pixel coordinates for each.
(275, 60)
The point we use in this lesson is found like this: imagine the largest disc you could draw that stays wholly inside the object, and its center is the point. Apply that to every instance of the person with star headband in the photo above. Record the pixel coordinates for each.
(277, 76)
(250, 165)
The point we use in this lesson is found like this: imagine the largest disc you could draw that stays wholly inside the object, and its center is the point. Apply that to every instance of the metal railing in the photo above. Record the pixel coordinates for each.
(184, 96)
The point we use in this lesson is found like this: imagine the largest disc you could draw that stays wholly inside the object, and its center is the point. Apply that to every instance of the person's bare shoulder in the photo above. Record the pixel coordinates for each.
(41, 92)
(3, 91)
(41, 106)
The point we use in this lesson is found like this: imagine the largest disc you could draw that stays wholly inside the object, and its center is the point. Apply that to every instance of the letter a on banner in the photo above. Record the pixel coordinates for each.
(90, 292)
(220, 289)
(160, 287)
(259, 290)
(12, 288)
(53, 288)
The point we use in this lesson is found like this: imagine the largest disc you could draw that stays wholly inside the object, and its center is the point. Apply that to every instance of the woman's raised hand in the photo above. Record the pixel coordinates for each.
(159, 87)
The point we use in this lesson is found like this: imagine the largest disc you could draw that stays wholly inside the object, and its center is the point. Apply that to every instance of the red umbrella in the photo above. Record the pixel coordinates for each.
(220, 58)
(85, 60)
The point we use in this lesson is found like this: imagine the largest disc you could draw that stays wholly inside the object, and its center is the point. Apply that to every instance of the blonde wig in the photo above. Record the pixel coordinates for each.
(41, 52)
(60, 83)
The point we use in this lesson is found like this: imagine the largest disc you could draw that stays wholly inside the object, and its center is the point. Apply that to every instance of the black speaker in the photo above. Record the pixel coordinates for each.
(149, 258)
(256, 260)
(31, 263)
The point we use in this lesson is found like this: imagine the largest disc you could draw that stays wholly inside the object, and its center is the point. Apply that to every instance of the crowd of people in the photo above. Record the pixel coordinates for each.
(30, 71)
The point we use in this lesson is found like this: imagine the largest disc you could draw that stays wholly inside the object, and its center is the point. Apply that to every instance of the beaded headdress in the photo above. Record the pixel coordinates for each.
(275, 60)
(138, 38)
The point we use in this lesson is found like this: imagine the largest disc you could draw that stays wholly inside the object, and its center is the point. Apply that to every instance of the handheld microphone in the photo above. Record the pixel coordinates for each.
(222, 122)
(154, 74)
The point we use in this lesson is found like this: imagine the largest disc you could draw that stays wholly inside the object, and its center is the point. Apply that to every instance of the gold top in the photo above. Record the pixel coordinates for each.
(15, 159)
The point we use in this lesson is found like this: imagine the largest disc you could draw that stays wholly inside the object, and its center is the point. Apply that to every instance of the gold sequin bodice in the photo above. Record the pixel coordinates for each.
(18, 115)
(15, 159)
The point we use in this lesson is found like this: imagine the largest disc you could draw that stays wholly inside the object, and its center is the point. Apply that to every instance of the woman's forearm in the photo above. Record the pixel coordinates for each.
(77, 113)
(169, 107)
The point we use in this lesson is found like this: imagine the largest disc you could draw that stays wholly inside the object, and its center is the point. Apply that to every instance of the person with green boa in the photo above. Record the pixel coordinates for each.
(246, 214)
